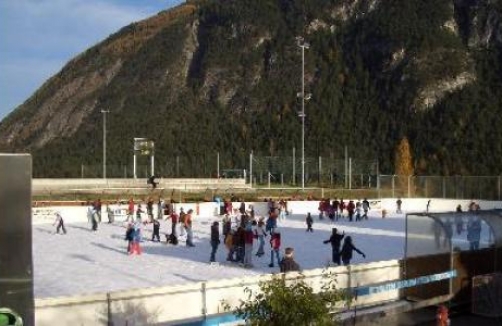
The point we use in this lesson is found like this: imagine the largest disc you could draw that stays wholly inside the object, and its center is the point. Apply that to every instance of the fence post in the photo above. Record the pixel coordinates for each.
(109, 309)
(268, 179)
(350, 172)
(444, 187)
(177, 166)
(294, 168)
(218, 164)
(409, 186)
(282, 180)
(251, 169)
(204, 300)
(320, 169)
(393, 185)
(499, 187)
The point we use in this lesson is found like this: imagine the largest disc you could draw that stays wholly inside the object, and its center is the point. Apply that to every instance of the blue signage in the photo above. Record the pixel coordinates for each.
(401, 284)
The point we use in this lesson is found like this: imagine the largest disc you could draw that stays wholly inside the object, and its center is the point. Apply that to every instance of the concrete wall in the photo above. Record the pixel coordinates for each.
(40, 185)
(176, 303)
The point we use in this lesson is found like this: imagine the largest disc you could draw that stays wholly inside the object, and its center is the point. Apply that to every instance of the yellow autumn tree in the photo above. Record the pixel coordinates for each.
(403, 161)
(403, 164)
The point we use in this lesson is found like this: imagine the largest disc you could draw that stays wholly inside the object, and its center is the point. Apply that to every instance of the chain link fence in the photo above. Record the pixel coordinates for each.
(285, 171)
(458, 187)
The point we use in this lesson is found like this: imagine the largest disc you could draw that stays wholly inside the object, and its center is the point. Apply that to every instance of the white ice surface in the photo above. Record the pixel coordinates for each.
(84, 262)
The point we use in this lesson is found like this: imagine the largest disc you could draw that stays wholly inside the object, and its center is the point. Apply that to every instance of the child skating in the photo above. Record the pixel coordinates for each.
(309, 220)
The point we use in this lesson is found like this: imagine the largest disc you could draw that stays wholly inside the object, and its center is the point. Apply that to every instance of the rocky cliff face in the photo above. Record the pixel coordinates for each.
(233, 70)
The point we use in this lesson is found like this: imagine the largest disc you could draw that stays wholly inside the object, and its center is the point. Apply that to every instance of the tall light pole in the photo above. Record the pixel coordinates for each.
(104, 142)
(304, 45)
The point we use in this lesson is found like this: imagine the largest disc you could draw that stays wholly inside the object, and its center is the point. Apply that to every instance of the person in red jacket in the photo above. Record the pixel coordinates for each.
(275, 247)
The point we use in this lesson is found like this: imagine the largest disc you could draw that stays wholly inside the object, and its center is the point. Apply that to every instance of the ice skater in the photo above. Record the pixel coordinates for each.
(60, 223)
(136, 239)
(335, 239)
(129, 236)
(156, 230)
(288, 264)
(347, 249)
(366, 208)
(275, 247)
(188, 228)
(215, 240)
(399, 202)
(309, 220)
(260, 234)
(248, 246)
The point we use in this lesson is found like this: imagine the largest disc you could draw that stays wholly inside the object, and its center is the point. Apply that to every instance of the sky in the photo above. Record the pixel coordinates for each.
(38, 37)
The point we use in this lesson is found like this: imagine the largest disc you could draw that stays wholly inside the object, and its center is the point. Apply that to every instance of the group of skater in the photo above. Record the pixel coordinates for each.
(241, 231)
(336, 209)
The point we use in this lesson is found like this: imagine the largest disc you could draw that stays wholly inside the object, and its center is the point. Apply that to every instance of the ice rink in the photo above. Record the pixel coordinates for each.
(85, 262)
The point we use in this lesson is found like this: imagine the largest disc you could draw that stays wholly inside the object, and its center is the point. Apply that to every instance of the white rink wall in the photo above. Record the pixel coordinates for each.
(173, 304)
(76, 214)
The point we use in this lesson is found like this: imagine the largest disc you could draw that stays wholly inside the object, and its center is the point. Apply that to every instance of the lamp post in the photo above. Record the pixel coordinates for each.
(304, 45)
(104, 142)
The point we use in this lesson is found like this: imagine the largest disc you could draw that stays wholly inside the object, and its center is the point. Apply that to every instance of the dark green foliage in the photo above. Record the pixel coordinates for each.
(239, 93)
(289, 302)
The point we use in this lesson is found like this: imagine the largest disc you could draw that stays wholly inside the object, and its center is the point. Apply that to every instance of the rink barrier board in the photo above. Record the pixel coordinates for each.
(78, 214)
(169, 304)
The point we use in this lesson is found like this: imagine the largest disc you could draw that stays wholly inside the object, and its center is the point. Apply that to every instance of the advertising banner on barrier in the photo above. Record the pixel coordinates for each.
(401, 284)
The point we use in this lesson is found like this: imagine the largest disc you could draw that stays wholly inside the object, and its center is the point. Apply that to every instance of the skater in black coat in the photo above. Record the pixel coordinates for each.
(288, 264)
(156, 230)
(215, 240)
(347, 249)
(335, 241)
(309, 220)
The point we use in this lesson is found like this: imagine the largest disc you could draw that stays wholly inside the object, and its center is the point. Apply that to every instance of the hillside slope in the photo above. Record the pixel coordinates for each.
(223, 76)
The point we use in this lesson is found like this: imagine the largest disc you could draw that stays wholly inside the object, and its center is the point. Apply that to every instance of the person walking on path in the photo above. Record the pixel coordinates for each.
(215, 240)
(288, 264)
(335, 239)
(309, 220)
(347, 249)
(275, 246)
(60, 223)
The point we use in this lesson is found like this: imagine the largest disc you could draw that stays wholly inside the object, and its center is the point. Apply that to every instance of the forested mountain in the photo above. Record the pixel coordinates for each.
(224, 76)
